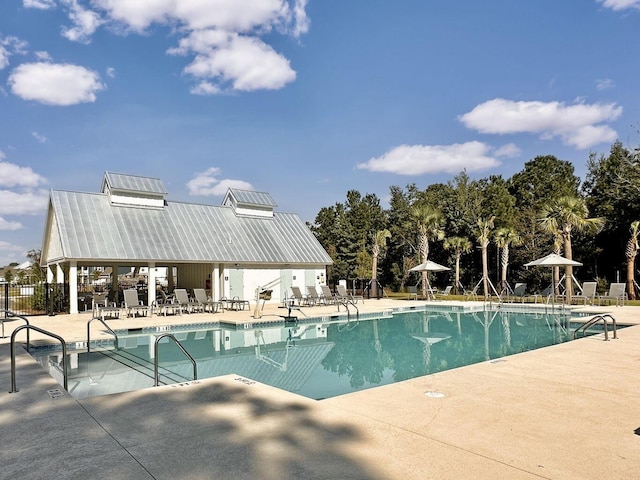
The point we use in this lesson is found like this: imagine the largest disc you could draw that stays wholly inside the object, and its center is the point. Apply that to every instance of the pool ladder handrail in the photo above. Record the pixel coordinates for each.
(11, 316)
(156, 361)
(101, 320)
(595, 319)
(44, 332)
(346, 303)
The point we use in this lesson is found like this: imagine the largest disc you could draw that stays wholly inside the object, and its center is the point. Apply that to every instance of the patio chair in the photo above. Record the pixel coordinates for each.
(313, 295)
(186, 303)
(616, 292)
(342, 293)
(208, 304)
(519, 292)
(301, 299)
(588, 293)
(165, 304)
(132, 305)
(445, 293)
(327, 295)
(413, 292)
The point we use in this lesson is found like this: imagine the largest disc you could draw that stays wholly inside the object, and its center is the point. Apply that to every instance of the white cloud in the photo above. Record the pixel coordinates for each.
(43, 56)
(40, 4)
(85, 22)
(9, 46)
(577, 125)
(605, 83)
(238, 60)
(7, 225)
(39, 138)
(205, 88)
(423, 159)
(246, 63)
(207, 184)
(55, 84)
(23, 203)
(509, 150)
(12, 175)
(620, 4)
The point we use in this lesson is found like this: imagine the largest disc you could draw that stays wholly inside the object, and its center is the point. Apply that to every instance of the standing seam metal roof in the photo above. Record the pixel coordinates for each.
(91, 228)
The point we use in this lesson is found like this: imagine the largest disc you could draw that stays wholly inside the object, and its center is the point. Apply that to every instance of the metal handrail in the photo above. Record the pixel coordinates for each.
(14, 316)
(89, 332)
(595, 320)
(345, 303)
(156, 374)
(13, 354)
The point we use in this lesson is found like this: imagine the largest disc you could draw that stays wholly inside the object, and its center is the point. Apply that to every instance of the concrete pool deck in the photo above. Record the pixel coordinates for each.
(570, 411)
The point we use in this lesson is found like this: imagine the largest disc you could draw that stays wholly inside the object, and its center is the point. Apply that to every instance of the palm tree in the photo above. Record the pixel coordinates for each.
(564, 215)
(379, 242)
(506, 236)
(459, 245)
(484, 238)
(630, 252)
(430, 227)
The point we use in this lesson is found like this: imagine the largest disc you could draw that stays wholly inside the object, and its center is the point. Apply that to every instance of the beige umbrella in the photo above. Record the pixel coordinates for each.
(553, 260)
(429, 266)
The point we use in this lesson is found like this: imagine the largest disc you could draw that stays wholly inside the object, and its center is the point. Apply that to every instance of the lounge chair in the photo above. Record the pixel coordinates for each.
(301, 299)
(165, 304)
(207, 304)
(344, 295)
(413, 292)
(519, 292)
(616, 292)
(237, 303)
(132, 305)
(327, 295)
(186, 303)
(312, 292)
(445, 293)
(588, 293)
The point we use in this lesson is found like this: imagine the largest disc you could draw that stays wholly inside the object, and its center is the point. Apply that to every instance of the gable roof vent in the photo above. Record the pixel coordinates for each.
(249, 203)
(131, 190)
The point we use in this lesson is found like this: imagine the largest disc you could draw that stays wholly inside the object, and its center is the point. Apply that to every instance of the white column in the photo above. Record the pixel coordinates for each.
(221, 282)
(151, 283)
(215, 282)
(73, 287)
(59, 273)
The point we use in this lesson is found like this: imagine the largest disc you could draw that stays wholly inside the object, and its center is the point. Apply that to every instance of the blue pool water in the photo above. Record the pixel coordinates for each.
(317, 360)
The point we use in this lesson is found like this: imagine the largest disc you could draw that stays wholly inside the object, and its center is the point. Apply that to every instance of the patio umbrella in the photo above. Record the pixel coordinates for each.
(429, 266)
(553, 260)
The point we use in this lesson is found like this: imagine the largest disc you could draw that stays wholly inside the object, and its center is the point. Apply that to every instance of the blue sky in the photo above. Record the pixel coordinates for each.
(304, 99)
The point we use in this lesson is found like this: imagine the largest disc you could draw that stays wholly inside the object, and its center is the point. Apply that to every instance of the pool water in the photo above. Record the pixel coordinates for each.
(317, 360)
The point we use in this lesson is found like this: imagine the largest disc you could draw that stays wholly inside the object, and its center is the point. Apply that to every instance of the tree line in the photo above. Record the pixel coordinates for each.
(487, 229)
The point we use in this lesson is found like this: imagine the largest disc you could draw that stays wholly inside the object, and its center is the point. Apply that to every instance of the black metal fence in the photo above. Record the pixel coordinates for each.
(39, 299)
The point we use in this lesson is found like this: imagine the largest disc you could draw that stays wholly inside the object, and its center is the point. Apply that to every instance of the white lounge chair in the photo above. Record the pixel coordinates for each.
(182, 299)
(616, 292)
(301, 299)
(313, 295)
(588, 293)
(133, 306)
(208, 305)
(327, 295)
(344, 295)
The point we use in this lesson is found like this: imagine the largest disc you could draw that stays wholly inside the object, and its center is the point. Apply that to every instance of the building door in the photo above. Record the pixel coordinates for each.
(236, 283)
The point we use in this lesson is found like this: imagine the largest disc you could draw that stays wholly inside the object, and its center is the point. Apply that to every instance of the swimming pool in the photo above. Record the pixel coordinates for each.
(317, 360)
